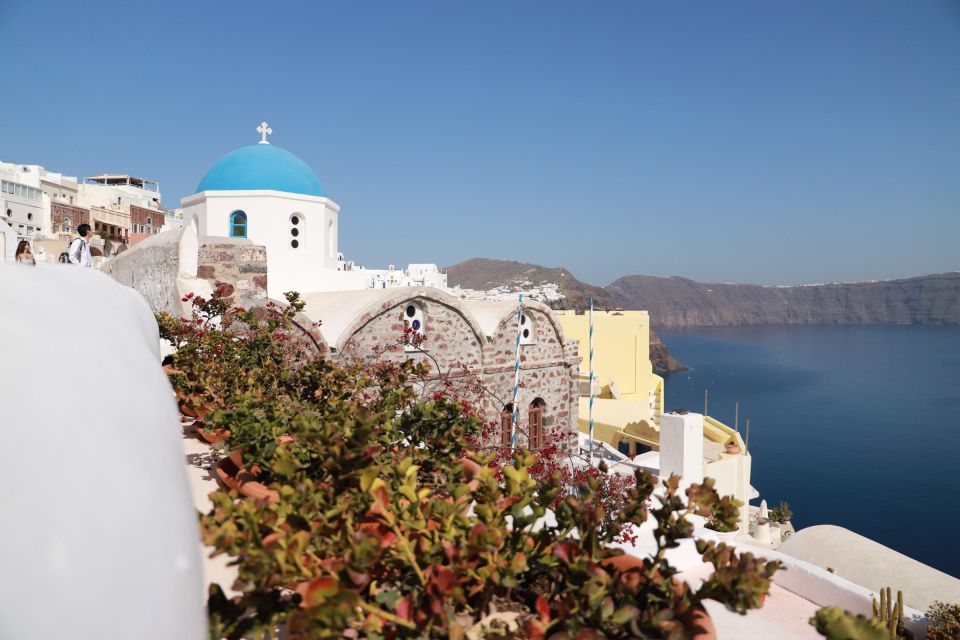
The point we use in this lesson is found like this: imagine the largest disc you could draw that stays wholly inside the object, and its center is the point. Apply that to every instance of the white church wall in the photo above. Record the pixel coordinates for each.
(311, 265)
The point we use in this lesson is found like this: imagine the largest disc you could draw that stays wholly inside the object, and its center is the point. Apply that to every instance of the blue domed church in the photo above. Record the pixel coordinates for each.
(268, 196)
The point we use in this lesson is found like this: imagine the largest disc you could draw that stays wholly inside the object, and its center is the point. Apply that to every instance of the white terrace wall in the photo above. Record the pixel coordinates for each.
(151, 268)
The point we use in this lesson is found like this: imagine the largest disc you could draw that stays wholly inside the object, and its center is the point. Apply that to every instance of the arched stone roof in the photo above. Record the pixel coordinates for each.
(344, 313)
(494, 314)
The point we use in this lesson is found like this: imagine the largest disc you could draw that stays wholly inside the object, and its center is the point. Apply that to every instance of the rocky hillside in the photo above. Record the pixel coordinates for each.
(484, 274)
(677, 302)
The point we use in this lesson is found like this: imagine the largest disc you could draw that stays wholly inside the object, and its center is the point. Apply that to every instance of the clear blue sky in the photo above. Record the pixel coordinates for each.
(773, 142)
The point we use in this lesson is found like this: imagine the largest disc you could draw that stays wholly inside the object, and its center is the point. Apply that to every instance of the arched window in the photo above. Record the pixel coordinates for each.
(66, 223)
(528, 328)
(238, 224)
(506, 425)
(415, 322)
(536, 423)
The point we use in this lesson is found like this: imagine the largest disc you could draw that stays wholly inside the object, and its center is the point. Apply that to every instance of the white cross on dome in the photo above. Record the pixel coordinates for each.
(264, 130)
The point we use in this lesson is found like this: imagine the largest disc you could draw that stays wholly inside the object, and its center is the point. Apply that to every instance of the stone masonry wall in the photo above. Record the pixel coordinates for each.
(549, 368)
(450, 338)
(139, 215)
(242, 267)
(59, 211)
(546, 371)
(152, 271)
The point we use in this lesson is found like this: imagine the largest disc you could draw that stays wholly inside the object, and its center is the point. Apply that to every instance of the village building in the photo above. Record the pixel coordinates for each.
(46, 207)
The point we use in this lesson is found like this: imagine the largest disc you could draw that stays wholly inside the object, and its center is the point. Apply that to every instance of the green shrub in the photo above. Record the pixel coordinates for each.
(944, 621)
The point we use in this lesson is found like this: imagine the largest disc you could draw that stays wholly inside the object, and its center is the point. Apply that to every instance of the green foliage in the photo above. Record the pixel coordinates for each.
(944, 621)
(834, 623)
(781, 514)
(392, 524)
(222, 351)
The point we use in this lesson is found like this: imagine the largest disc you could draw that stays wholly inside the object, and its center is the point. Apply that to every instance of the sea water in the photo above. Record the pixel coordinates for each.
(857, 426)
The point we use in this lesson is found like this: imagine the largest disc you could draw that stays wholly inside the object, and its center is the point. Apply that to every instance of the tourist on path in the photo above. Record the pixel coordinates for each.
(24, 255)
(79, 252)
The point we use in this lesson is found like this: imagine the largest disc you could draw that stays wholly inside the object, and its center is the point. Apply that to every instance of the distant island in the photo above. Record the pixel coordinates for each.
(681, 302)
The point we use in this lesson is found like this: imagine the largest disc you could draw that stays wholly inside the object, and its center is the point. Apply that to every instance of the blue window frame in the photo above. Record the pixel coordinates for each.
(238, 224)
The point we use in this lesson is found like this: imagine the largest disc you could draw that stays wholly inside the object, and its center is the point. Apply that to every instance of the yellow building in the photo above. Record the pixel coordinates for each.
(628, 399)
(628, 395)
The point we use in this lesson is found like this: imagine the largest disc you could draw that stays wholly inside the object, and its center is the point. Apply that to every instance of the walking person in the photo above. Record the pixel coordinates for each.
(24, 255)
(79, 252)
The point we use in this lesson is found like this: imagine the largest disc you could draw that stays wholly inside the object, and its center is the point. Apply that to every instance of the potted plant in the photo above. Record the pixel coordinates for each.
(781, 514)
(726, 531)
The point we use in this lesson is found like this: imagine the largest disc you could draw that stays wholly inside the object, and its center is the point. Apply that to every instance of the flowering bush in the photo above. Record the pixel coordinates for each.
(394, 520)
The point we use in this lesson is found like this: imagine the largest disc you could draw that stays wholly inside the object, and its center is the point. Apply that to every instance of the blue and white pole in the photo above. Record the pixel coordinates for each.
(516, 377)
(590, 452)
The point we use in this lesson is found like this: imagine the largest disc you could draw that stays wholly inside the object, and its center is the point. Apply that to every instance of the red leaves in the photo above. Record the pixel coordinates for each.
(563, 550)
(442, 579)
(404, 609)
(317, 591)
(543, 610)
(381, 502)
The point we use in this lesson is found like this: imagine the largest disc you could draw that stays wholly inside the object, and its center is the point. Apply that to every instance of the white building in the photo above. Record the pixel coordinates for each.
(269, 196)
(24, 205)
(37, 204)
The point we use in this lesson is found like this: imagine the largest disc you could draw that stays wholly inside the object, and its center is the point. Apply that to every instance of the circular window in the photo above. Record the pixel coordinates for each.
(29, 216)
(294, 220)
(411, 311)
(416, 325)
(294, 232)
(523, 319)
(526, 333)
(9, 212)
(294, 243)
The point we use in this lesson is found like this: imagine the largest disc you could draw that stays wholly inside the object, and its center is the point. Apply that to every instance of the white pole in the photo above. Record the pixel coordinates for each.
(590, 453)
(516, 377)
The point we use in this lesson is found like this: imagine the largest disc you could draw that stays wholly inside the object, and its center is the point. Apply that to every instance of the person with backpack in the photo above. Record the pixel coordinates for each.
(79, 251)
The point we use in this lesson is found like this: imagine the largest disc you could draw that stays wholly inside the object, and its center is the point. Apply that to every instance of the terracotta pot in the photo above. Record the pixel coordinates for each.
(234, 476)
(697, 625)
(624, 562)
(213, 437)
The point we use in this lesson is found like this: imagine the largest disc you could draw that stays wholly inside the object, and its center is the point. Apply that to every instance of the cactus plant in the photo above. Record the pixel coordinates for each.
(888, 614)
(781, 514)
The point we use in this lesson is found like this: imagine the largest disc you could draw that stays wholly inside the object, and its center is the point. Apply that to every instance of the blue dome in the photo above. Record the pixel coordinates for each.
(261, 166)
